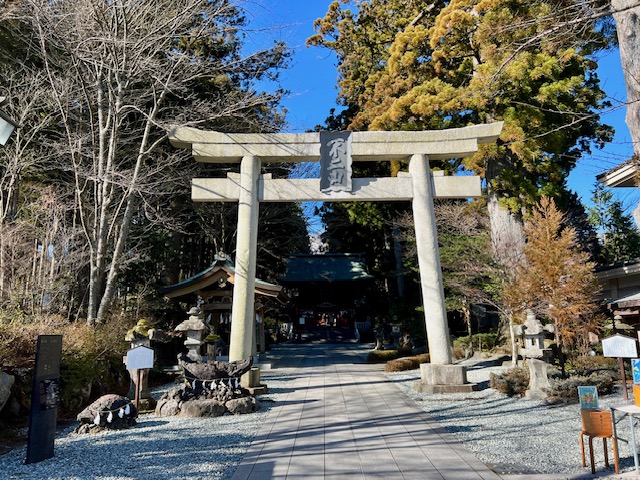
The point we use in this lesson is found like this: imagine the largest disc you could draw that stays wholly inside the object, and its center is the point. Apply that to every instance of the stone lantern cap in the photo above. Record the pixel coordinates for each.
(139, 331)
(532, 326)
(194, 324)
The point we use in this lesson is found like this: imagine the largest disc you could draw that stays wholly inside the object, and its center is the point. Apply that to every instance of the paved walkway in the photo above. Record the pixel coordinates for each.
(342, 419)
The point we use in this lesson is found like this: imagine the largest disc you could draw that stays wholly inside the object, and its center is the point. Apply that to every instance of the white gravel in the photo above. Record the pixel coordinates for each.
(517, 435)
(513, 435)
(168, 448)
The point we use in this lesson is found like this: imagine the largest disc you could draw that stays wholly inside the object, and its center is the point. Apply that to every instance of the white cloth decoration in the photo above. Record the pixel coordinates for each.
(127, 410)
(237, 383)
(110, 417)
(121, 413)
(97, 419)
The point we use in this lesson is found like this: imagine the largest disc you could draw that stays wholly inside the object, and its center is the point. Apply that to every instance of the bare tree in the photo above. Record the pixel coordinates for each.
(120, 73)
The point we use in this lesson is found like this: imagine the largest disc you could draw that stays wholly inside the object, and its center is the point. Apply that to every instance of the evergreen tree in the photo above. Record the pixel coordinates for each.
(423, 65)
(619, 236)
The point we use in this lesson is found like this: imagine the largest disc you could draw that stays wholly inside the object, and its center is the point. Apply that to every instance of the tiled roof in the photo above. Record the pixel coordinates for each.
(331, 267)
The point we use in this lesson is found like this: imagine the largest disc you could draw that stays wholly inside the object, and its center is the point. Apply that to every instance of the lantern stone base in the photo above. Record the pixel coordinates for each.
(251, 381)
(443, 379)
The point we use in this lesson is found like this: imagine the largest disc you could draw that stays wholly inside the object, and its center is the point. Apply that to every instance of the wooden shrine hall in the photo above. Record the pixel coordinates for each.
(329, 289)
(214, 288)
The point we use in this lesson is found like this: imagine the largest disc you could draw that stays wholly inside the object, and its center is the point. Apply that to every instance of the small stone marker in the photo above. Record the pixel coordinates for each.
(45, 398)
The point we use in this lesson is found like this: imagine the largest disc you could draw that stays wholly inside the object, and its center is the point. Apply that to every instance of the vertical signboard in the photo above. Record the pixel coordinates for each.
(335, 162)
(45, 398)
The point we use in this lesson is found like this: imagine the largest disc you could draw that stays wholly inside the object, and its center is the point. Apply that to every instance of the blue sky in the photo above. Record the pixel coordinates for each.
(312, 83)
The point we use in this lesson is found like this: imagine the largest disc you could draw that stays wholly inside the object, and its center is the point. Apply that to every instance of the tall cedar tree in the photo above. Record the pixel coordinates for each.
(556, 279)
(431, 65)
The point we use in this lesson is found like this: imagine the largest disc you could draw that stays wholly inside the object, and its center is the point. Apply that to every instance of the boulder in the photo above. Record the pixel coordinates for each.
(202, 408)
(213, 370)
(109, 411)
(167, 407)
(242, 405)
(6, 382)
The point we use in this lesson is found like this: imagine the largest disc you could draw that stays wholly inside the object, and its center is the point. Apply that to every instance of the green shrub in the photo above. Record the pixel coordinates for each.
(383, 356)
(406, 363)
(513, 382)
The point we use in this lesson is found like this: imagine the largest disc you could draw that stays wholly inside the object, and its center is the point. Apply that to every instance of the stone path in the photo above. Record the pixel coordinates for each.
(342, 419)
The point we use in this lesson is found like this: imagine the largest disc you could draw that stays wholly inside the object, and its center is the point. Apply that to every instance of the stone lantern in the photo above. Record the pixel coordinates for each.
(194, 328)
(532, 333)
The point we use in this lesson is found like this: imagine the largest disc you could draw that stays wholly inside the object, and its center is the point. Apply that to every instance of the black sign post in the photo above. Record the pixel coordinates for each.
(45, 398)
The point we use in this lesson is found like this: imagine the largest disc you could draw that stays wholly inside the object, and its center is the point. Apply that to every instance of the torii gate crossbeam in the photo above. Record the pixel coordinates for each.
(420, 186)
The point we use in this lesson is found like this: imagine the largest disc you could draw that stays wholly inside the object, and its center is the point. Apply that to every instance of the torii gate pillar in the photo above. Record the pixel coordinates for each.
(419, 186)
(242, 336)
(435, 313)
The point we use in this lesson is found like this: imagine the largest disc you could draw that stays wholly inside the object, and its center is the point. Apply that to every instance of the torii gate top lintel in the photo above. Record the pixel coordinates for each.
(216, 147)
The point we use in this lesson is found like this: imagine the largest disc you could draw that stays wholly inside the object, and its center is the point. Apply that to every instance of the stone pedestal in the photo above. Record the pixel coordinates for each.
(251, 381)
(538, 380)
(443, 379)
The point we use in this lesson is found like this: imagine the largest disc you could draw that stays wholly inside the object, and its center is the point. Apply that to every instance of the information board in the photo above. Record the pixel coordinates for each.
(45, 398)
(140, 358)
(620, 346)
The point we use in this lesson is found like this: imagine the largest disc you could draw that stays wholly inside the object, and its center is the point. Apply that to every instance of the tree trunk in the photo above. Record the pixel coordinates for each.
(397, 251)
(628, 28)
(466, 313)
(507, 233)
(507, 229)
(514, 345)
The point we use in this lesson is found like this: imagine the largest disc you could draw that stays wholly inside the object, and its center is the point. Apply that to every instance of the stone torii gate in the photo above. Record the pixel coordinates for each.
(419, 185)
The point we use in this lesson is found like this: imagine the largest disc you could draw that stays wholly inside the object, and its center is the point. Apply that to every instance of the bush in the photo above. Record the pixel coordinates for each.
(585, 365)
(383, 356)
(513, 382)
(406, 363)
(567, 388)
(485, 342)
(91, 357)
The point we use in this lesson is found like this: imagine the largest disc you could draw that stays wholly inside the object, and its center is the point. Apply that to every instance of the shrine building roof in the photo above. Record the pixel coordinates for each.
(216, 276)
(328, 267)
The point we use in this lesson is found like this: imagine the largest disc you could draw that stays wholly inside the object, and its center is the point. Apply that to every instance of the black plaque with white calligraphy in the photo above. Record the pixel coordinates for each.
(45, 398)
(335, 162)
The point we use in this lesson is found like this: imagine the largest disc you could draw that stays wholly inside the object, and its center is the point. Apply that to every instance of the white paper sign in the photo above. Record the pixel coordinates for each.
(620, 346)
(139, 358)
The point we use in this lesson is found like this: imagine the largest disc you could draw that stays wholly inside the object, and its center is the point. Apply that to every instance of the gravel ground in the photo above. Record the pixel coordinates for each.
(168, 448)
(513, 435)
(516, 435)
